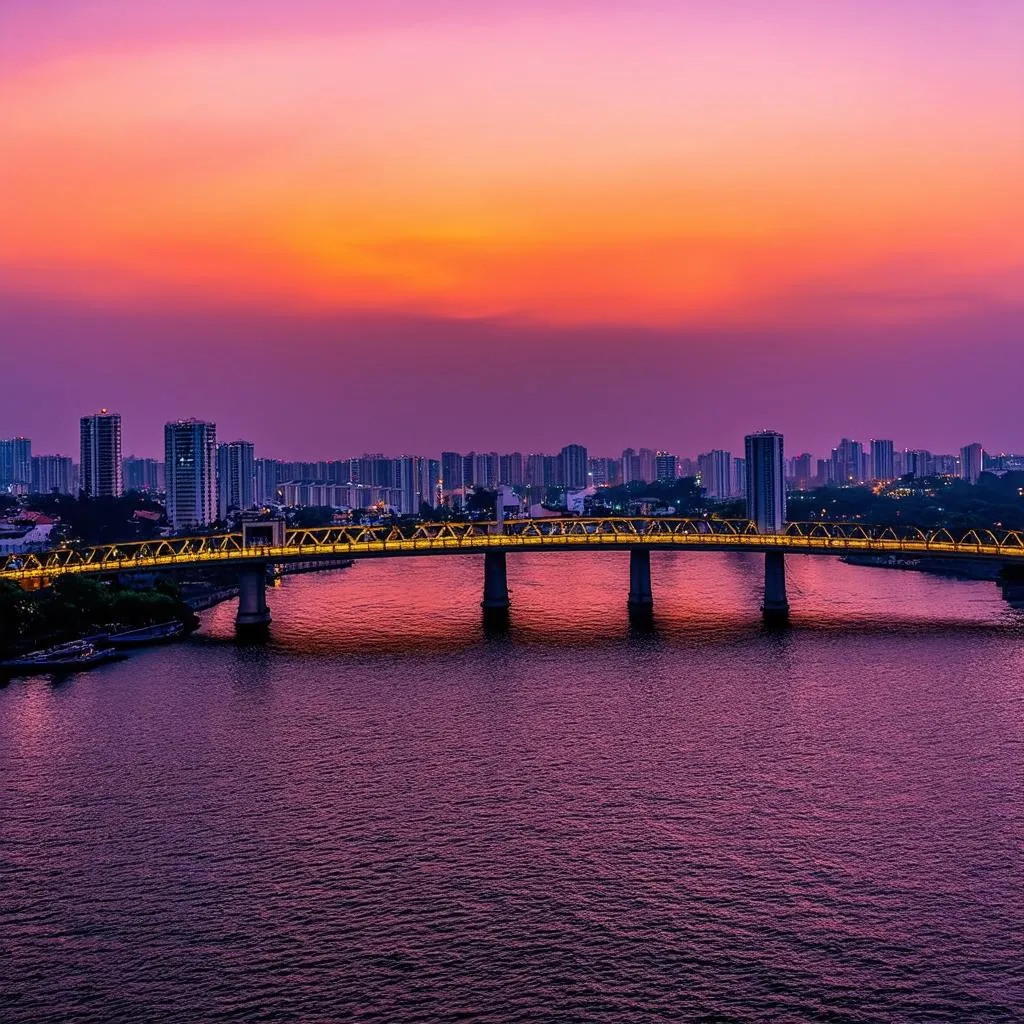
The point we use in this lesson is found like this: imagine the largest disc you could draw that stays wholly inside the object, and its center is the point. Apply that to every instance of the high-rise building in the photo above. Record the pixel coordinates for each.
(715, 468)
(510, 469)
(766, 486)
(236, 477)
(452, 482)
(52, 474)
(407, 472)
(972, 459)
(101, 455)
(485, 470)
(648, 469)
(268, 476)
(883, 466)
(800, 472)
(190, 456)
(631, 470)
(430, 482)
(141, 474)
(848, 463)
(603, 472)
(918, 462)
(666, 467)
(739, 477)
(574, 466)
(15, 462)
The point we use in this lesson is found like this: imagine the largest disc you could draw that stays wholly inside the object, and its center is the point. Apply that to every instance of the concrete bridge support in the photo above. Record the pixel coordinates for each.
(641, 599)
(253, 613)
(495, 602)
(776, 605)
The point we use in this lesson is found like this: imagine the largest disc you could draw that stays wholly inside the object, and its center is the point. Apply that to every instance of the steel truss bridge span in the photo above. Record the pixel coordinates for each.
(566, 534)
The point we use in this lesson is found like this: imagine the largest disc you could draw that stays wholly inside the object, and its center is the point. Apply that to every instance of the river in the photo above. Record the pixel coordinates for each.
(387, 813)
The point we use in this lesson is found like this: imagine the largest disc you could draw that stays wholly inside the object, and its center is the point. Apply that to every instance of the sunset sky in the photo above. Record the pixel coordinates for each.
(407, 225)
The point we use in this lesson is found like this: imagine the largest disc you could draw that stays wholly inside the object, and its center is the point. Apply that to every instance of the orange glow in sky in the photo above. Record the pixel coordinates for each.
(652, 169)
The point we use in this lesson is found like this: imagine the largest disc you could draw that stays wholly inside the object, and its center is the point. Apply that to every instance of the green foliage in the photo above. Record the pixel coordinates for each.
(312, 516)
(101, 520)
(482, 500)
(928, 503)
(685, 495)
(76, 606)
(15, 613)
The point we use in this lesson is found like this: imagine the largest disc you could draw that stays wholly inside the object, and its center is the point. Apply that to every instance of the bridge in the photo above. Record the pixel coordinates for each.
(261, 544)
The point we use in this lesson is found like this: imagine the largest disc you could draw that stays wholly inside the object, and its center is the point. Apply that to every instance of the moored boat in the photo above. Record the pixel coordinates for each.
(70, 657)
(160, 633)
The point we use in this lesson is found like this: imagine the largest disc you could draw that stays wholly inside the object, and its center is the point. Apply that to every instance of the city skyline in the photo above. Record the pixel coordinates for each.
(593, 221)
(865, 445)
(511, 509)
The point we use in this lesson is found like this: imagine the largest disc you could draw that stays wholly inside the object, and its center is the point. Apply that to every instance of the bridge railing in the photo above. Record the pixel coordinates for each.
(655, 531)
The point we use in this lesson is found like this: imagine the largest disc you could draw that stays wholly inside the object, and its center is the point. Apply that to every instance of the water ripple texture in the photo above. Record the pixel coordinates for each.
(388, 813)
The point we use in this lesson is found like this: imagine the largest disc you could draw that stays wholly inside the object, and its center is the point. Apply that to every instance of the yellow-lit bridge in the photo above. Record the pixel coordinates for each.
(265, 543)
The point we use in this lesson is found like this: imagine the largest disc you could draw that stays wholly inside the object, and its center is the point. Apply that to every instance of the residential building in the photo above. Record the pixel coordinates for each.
(100, 464)
(236, 477)
(883, 463)
(52, 474)
(715, 469)
(190, 458)
(142, 474)
(15, 463)
(766, 486)
(666, 467)
(972, 458)
(574, 466)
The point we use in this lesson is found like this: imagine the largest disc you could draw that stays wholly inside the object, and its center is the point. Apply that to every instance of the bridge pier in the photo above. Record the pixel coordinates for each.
(253, 613)
(641, 599)
(776, 605)
(496, 602)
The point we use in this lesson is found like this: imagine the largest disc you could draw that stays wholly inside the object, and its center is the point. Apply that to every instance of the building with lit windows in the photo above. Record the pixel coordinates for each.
(100, 463)
(883, 464)
(574, 466)
(52, 474)
(236, 477)
(972, 460)
(666, 467)
(190, 458)
(766, 485)
(15, 463)
(715, 468)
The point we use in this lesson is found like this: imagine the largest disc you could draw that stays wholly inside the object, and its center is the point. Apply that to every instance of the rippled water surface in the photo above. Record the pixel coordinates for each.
(388, 814)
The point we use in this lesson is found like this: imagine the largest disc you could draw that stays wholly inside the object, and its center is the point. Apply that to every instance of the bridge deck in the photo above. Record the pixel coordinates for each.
(570, 534)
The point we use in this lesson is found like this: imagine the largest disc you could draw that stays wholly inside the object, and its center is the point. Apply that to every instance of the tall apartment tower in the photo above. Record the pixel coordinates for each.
(766, 486)
(15, 462)
(847, 463)
(972, 458)
(100, 464)
(236, 477)
(716, 473)
(52, 474)
(574, 466)
(190, 456)
(666, 467)
(883, 464)
(631, 472)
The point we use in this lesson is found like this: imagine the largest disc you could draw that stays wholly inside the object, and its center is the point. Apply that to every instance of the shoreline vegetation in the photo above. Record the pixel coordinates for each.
(74, 608)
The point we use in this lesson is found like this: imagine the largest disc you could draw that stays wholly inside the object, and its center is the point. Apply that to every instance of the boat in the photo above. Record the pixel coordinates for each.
(70, 657)
(160, 633)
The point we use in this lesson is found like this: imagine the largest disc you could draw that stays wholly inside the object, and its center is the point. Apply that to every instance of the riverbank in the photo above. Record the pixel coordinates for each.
(75, 608)
(955, 567)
